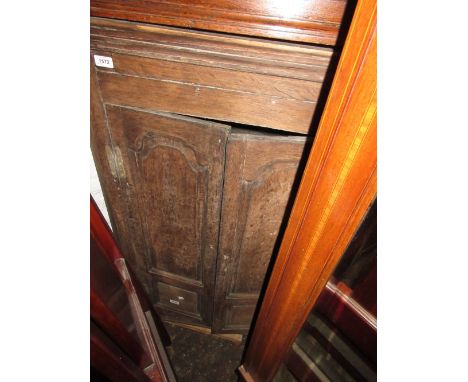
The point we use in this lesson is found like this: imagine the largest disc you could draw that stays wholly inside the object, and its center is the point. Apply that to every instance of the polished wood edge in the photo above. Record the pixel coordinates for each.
(152, 32)
(321, 26)
(244, 374)
(103, 236)
(336, 293)
(141, 324)
(337, 188)
(102, 233)
(105, 318)
(166, 364)
(186, 47)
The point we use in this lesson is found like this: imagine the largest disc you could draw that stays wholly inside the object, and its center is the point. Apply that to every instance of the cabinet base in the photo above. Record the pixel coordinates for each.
(235, 338)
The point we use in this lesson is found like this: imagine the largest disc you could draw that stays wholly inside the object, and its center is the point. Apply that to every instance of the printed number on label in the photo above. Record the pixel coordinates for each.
(103, 61)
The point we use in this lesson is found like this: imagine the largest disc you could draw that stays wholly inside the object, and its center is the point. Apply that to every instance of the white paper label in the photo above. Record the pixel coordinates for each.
(103, 61)
(174, 301)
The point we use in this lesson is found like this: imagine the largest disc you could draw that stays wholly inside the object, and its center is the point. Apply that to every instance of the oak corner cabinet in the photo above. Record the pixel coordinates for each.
(199, 140)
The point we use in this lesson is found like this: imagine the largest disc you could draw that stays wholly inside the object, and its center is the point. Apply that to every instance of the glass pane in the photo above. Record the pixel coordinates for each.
(338, 342)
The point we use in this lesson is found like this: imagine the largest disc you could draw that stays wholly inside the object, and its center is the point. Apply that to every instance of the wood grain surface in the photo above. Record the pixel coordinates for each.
(227, 78)
(312, 21)
(338, 185)
(260, 172)
(172, 177)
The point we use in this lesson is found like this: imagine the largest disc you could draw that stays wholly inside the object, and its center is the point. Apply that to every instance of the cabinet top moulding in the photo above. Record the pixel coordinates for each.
(311, 21)
(211, 49)
(210, 75)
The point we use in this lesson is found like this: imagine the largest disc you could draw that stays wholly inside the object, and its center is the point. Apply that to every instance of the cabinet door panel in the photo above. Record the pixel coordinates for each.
(171, 169)
(260, 172)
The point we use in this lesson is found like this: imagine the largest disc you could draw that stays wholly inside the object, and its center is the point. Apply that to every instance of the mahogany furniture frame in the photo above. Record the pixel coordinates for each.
(114, 351)
(337, 188)
(315, 21)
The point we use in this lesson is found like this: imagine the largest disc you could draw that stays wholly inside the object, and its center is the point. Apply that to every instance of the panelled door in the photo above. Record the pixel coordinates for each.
(261, 169)
(164, 177)
(170, 170)
(196, 208)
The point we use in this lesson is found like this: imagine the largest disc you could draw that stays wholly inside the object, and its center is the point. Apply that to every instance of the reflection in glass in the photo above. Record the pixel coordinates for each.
(338, 342)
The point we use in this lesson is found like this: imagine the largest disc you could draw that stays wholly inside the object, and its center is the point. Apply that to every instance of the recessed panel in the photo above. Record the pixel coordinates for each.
(170, 171)
(177, 298)
(239, 317)
(261, 170)
(264, 201)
